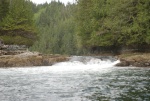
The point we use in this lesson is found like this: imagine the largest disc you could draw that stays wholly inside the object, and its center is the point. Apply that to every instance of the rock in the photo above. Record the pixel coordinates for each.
(2, 64)
(123, 63)
(147, 64)
(135, 60)
(30, 59)
(141, 64)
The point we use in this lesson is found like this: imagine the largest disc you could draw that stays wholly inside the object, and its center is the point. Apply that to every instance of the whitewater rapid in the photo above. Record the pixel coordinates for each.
(79, 63)
(75, 64)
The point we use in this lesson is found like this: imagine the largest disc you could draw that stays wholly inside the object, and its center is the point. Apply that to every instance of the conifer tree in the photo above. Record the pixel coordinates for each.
(20, 15)
(4, 9)
(17, 26)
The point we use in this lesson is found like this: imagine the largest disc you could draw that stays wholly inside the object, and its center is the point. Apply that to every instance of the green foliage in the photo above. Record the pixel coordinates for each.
(56, 29)
(20, 14)
(4, 8)
(16, 21)
(76, 28)
(113, 23)
(16, 40)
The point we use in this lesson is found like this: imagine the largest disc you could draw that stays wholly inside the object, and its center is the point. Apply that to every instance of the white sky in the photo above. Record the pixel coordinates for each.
(48, 1)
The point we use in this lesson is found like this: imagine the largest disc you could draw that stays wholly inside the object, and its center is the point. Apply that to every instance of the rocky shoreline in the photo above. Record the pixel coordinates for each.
(134, 59)
(29, 59)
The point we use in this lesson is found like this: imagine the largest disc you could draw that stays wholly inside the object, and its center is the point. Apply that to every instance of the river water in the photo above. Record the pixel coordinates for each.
(80, 79)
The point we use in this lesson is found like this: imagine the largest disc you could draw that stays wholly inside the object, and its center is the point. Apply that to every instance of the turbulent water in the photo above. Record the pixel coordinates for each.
(80, 79)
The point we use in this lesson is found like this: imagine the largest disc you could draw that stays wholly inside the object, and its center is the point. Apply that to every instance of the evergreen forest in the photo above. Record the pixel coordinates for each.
(85, 27)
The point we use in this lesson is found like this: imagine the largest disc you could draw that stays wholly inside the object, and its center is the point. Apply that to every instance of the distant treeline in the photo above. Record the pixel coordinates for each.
(88, 26)
(56, 25)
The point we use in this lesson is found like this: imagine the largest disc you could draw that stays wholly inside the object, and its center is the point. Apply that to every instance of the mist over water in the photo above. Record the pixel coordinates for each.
(80, 79)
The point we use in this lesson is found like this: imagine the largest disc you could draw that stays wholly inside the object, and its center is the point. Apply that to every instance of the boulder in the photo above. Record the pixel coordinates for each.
(136, 60)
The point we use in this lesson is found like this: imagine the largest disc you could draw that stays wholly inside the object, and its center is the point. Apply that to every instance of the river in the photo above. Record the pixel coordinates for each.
(80, 79)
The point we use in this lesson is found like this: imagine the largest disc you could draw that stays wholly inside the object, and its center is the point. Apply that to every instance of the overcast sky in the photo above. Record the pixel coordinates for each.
(43, 1)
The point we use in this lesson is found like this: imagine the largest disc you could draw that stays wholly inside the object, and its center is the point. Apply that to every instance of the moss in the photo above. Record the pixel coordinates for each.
(135, 56)
(18, 36)
(126, 55)
(19, 40)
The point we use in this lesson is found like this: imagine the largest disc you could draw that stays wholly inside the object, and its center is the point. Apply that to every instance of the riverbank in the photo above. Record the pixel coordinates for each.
(29, 59)
(134, 59)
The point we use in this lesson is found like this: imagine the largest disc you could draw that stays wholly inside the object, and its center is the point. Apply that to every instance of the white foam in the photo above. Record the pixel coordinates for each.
(76, 64)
